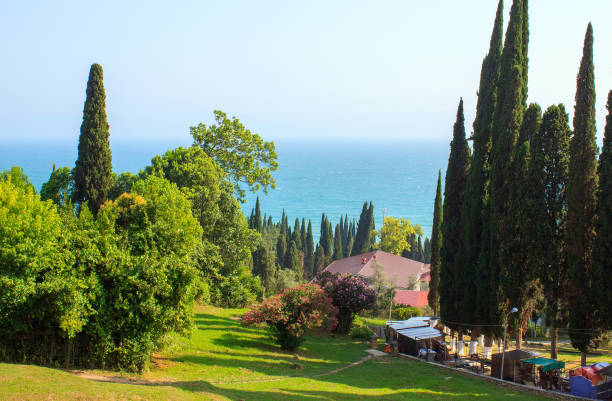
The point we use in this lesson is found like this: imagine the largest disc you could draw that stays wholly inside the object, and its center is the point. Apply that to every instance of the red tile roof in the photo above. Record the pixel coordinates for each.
(396, 268)
(412, 298)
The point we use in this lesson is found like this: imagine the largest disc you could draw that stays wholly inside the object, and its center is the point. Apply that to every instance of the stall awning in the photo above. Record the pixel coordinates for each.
(420, 333)
(545, 363)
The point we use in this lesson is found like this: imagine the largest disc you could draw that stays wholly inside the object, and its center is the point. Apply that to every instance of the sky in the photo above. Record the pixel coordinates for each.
(288, 70)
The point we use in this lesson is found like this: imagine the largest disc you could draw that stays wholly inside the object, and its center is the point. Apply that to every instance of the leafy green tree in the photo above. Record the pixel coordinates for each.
(16, 176)
(508, 116)
(433, 296)
(243, 155)
(57, 189)
(94, 169)
(451, 284)
(582, 203)
(549, 172)
(393, 235)
(122, 183)
(602, 270)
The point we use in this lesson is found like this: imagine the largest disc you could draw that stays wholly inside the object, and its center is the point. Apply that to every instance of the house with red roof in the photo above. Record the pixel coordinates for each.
(409, 276)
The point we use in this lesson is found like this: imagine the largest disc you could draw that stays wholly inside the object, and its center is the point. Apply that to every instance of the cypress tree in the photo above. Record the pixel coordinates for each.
(350, 239)
(319, 261)
(420, 254)
(293, 260)
(345, 237)
(451, 266)
(436, 244)
(281, 249)
(309, 253)
(362, 239)
(263, 266)
(296, 237)
(94, 169)
(337, 243)
(372, 228)
(549, 175)
(519, 281)
(508, 117)
(582, 202)
(427, 251)
(477, 195)
(602, 269)
(257, 223)
(303, 235)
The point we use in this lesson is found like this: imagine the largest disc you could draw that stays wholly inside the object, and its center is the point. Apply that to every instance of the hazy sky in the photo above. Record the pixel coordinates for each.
(287, 69)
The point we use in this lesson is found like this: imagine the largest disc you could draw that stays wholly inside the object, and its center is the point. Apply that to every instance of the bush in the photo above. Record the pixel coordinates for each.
(403, 313)
(289, 314)
(361, 333)
(349, 294)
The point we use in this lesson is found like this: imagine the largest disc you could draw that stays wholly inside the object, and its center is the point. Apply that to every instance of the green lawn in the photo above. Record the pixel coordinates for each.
(225, 361)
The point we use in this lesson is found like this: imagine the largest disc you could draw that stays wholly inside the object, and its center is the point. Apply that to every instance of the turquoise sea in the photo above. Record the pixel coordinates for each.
(314, 177)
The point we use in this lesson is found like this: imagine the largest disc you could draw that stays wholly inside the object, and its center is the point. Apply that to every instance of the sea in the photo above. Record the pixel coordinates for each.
(334, 177)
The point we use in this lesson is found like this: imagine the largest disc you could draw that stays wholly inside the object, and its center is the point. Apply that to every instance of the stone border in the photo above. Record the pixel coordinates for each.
(504, 383)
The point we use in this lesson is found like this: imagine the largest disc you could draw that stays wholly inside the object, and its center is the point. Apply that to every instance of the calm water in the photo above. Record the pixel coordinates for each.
(313, 177)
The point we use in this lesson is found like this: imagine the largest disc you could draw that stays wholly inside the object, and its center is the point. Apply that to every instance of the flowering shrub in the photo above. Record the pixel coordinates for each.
(289, 314)
(349, 294)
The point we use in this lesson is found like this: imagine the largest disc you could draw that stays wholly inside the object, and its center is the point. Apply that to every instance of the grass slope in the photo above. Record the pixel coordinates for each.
(225, 361)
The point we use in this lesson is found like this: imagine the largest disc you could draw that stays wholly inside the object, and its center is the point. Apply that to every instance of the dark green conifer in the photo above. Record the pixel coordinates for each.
(293, 260)
(582, 203)
(94, 168)
(319, 261)
(281, 249)
(548, 173)
(372, 228)
(436, 244)
(602, 268)
(303, 235)
(296, 236)
(263, 266)
(309, 253)
(362, 239)
(508, 117)
(427, 251)
(451, 285)
(337, 243)
(257, 223)
(477, 195)
(420, 257)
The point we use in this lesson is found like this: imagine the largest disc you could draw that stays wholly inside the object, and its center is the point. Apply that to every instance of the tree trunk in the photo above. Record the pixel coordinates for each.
(488, 345)
(519, 337)
(460, 347)
(583, 358)
(452, 341)
(554, 336)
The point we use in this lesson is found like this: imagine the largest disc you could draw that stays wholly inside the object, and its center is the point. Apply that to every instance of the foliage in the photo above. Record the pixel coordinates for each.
(394, 234)
(361, 332)
(93, 171)
(436, 244)
(122, 183)
(582, 201)
(349, 294)
(242, 155)
(365, 230)
(96, 293)
(16, 176)
(289, 314)
(58, 188)
(405, 312)
(284, 279)
(451, 283)
(602, 273)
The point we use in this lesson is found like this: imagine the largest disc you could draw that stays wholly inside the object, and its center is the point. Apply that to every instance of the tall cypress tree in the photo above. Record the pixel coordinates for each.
(508, 117)
(257, 222)
(427, 251)
(362, 237)
(263, 266)
(337, 243)
(519, 281)
(372, 228)
(420, 252)
(303, 235)
(602, 269)
(477, 196)
(296, 236)
(436, 244)
(548, 172)
(94, 168)
(319, 260)
(309, 253)
(451, 267)
(582, 202)
(281, 248)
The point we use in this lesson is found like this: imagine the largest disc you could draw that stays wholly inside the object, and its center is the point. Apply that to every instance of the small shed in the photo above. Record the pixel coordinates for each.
(410, 340)
(512, 366)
